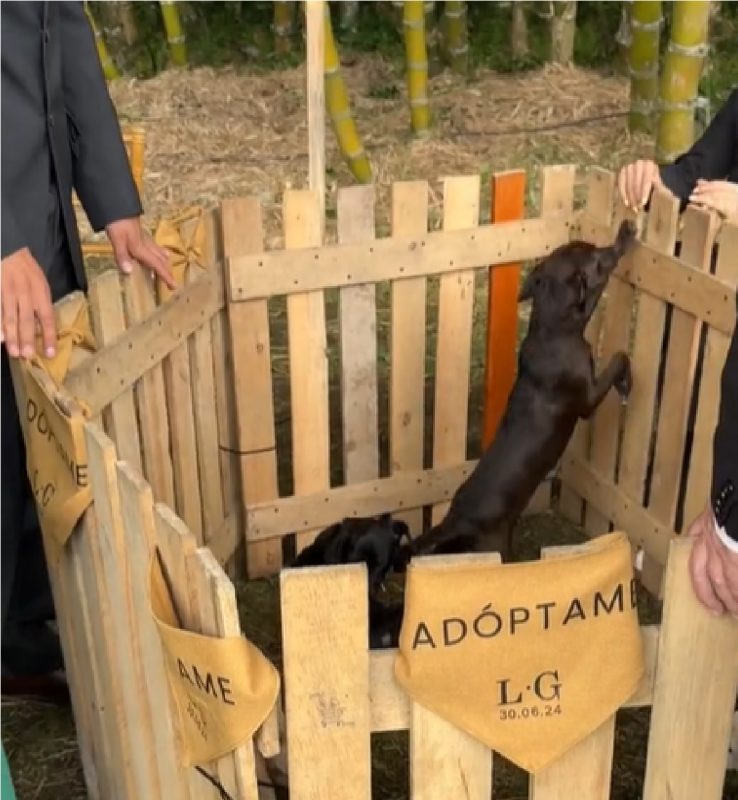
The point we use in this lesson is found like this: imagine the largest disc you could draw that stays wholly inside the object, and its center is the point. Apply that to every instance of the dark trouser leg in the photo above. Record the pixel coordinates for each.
(28, 645)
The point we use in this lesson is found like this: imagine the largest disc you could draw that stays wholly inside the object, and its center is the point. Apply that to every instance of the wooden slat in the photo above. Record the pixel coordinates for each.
(444, 760)
(278, 272)
(453, 349)
(708, 401)
(252, 379)
(185, 451)
(109, 322)
(152, 334)
(137, 509)
(407, 332)
(390, 704)
(315, 63)
(585, 769)
(150, 392)
(406, 490)
(694, 693)
(557, 198)
(645, 529)
(698, 236)
(507, 203)
(176, 545)
(600, 191)
(134, 720)
(666, 277)
(358, 325)
(660, 235)
(308, 359)
(326, 667)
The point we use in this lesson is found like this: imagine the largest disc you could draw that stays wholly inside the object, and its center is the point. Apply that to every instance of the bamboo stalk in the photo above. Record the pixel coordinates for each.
(432, 39)
(417, 65)
(457, 46)
(337, 105)
(623, 36)
(110, 70)
(643, 63)
(283, 25)
(680, 78)
(175, 33)
(563, 30)
(349, 15)
(519, 31)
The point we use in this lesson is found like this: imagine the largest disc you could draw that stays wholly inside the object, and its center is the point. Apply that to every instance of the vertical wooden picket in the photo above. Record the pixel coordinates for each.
(661, 233)
(358, 324)
(599, 207)
(326, 667)
(407, 332)
(708, 402)
(694, 692)
(308, 360)
(453, 351)
(241, 220)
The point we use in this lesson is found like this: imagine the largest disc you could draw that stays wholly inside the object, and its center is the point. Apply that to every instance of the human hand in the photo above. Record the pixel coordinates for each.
(713, 567)
(635, 182)
(26, 298)
(131, 244)
(720, 196)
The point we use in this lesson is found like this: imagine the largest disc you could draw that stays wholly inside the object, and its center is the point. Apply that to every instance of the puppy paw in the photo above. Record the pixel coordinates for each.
(624, 381)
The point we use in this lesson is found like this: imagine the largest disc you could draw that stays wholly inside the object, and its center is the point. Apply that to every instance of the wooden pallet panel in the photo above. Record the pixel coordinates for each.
(453, 350)
(150, 396)
(708, 402)
(306, 332)
(358, 328)
(242, 224)
(694, 692)
(407, 345)
(600, 191)
(137, 511)
(326, 667)
(108, 320)
(134, 721)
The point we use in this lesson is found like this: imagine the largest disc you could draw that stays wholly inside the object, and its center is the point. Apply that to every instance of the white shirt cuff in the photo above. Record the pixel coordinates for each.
(730, 543)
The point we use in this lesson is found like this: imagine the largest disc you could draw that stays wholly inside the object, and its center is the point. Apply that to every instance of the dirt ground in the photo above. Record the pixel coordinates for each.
(212, 134)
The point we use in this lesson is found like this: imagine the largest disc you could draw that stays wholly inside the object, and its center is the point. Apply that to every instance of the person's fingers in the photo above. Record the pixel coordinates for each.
(45, 315)
(10, 321)
(646, 183)
(635, 184)
(700, 579)
(149, 255)
(122, 253)
(716, 574)
(623, 185)
(26, 323)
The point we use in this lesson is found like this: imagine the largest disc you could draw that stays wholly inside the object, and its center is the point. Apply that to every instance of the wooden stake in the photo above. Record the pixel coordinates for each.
(314, 12)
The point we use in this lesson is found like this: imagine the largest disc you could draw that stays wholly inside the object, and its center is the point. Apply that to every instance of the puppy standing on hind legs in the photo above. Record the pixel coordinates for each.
(556, 386)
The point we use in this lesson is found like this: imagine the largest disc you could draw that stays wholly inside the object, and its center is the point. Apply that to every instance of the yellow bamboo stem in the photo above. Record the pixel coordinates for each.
(175, 33)
(413, 21)
(643, 63)
(337, 105)
(283, 26)
(457, 47)
(680, 78)
(108, 65)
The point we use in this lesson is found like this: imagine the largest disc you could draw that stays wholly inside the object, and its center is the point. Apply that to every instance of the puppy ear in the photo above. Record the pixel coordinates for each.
(530, 286)
(625, 237)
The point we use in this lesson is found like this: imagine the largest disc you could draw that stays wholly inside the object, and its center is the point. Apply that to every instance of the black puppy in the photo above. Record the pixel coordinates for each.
(373, 540)
(556, 386)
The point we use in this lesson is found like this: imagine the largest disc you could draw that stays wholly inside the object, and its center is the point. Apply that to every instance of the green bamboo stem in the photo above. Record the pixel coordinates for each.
(519, 31)
(432, 39)
(283, 25)
(680, 78)
(349, 15)
(110, 70)
(643, 64)
(563, 30)
(413, 22)
(175, 33)
(337, 105)
(457, 46)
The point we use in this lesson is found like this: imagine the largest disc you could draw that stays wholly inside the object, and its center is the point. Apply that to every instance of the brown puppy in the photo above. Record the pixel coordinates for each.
(556, 386)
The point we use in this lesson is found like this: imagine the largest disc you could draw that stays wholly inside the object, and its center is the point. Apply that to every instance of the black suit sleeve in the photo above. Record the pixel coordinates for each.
(12, 238)
(710, 157)
(102, 173)
(725, 446)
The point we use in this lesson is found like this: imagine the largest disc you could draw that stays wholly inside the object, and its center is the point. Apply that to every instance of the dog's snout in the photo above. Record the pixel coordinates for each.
(626, 236)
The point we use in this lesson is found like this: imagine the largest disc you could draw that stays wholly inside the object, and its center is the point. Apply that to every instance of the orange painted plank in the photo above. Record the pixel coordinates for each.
(508, 203)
